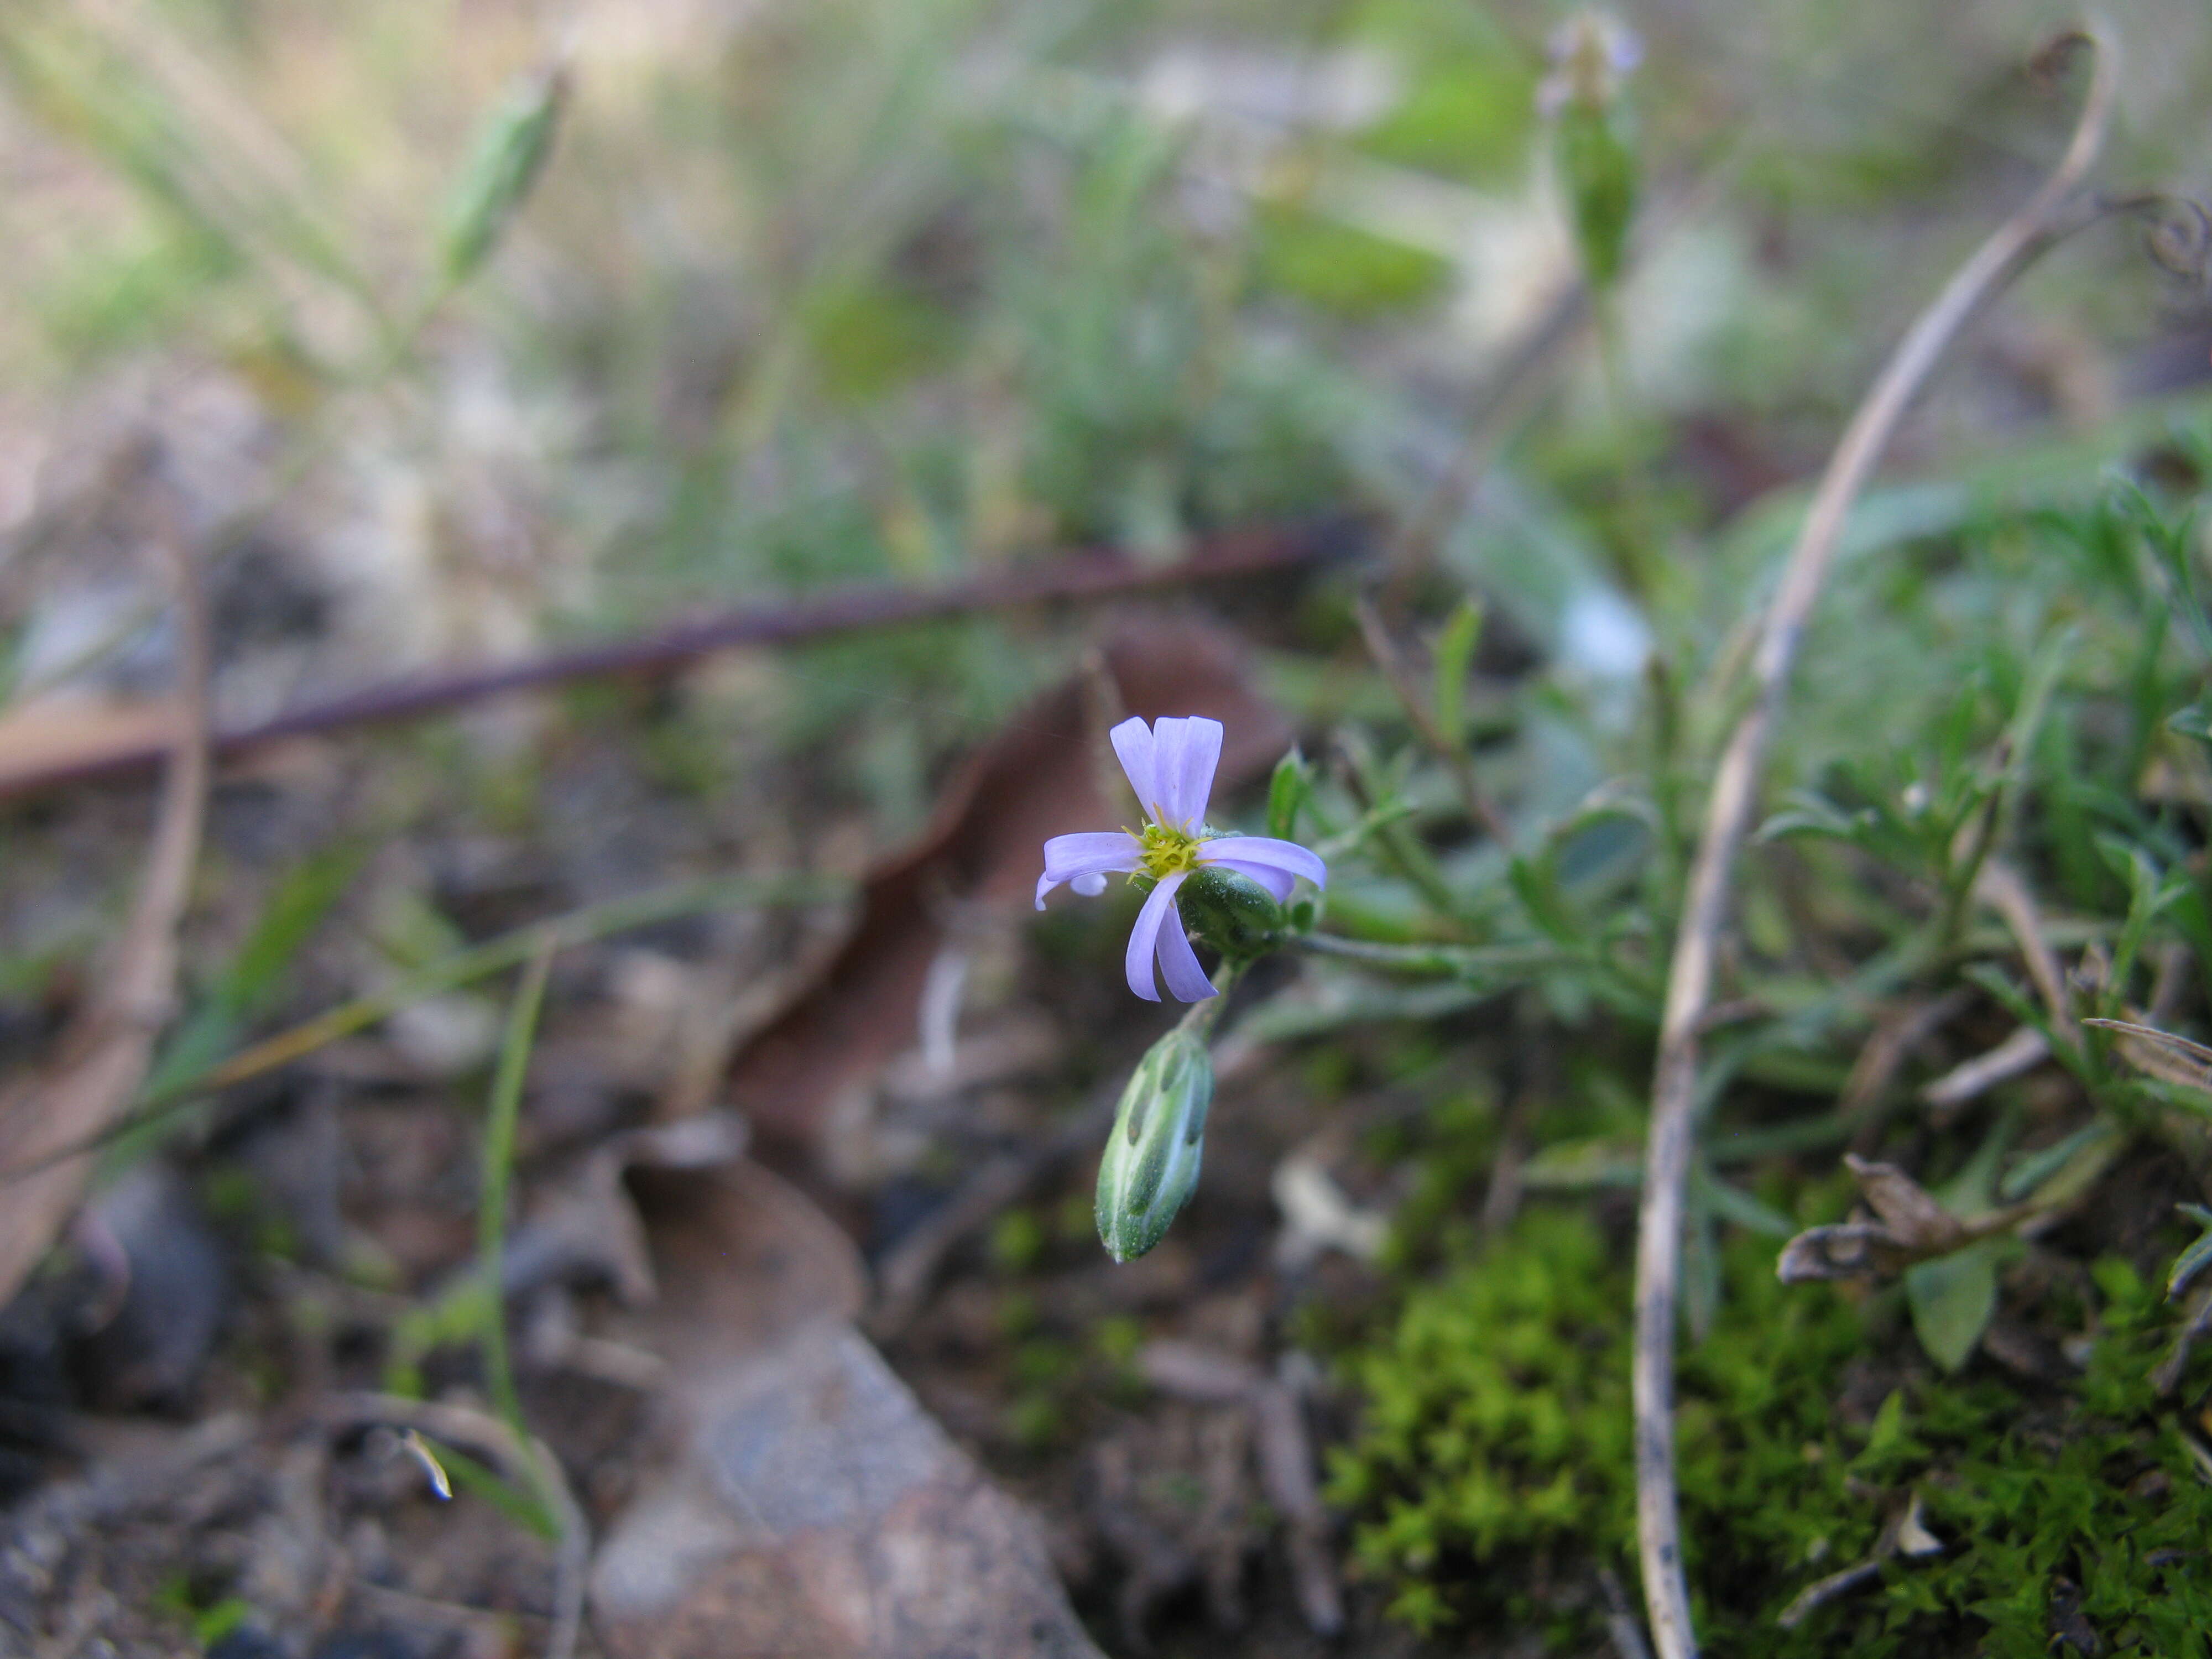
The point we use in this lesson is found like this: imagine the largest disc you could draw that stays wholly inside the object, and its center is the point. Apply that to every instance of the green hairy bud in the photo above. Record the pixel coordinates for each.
(1599, 172)
(1592, 54)
(1231, 911)
(1150, 1165)
(510, 150)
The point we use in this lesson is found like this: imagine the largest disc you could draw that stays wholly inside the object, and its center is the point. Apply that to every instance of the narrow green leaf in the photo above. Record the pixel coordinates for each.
(474, 1478)
(1287, 792)
(508, 152)
(1952, 1298)
(1583, 1165)
(303, 898)
(2191, 1262)
(2036, 1168)
(1455, 654)
(1738, 1207)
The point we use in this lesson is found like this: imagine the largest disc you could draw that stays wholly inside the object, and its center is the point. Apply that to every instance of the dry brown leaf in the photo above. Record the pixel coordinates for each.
(1913, 1227)
(1849, 1249)
(2165, 1055)
(1913, 1217)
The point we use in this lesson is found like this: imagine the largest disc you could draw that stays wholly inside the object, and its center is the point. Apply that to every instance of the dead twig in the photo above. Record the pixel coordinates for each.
(1098, 574)
(1384, 650)
(1728, 815)
(1282, 1447)
(1894, 1037)
(2019, 1053)
(2000, 887)
(103, 1058)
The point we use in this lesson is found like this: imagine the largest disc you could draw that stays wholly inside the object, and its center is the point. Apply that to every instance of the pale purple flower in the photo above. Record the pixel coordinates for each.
(1170, 765)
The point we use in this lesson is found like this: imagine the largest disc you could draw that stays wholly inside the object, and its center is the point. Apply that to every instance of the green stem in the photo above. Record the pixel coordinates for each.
(1200, 1018)
(1640, 564)
(1446, 961)
(500, 1118)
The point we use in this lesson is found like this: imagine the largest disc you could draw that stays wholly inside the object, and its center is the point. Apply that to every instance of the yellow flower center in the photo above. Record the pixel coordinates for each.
(1167, 851)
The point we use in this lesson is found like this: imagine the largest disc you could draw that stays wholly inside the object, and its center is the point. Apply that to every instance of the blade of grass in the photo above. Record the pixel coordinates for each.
(501, 1115)
(479, 962)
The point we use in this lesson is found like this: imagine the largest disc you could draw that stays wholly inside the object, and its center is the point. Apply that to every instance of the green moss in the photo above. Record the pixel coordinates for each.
(1493, 1471)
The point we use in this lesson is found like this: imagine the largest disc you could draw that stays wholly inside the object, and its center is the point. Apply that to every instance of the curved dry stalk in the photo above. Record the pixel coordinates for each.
(103, 1058)
(1728, 814)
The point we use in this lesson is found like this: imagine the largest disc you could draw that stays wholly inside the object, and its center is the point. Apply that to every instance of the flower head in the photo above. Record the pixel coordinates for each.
(1170, 765)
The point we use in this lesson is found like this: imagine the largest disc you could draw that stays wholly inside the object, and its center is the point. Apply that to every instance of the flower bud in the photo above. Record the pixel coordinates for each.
(1150, 1164)
(510, 149)
(1591, 55)
(1231, 913)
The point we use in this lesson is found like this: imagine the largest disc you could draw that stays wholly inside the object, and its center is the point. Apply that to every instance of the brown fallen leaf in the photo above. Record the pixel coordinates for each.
(1035, 779)
(813, 1506)
(1912, 1228)
(587, 1222)
(2165, 1055)
(1914, 1217)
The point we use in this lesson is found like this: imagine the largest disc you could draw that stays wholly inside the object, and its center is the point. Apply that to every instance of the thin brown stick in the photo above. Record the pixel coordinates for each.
(1097, 573)
(103, 1058)
(2000, 887)
(1384, 650)
(1727, 816)
(1894, 1037)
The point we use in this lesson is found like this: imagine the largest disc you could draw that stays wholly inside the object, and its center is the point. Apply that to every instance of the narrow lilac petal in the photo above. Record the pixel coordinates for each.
(1278, 883)
(1201, 753)
(1132, 743)
(1090, 884)
(1187, 981)
(1089, 850)
(1168, 739)
(1137, 963)
(1266, 849)
(1096, 853)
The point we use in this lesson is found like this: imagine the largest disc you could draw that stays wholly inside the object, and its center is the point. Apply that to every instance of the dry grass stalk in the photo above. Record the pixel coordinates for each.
(103, 1057)
(1728, 815)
